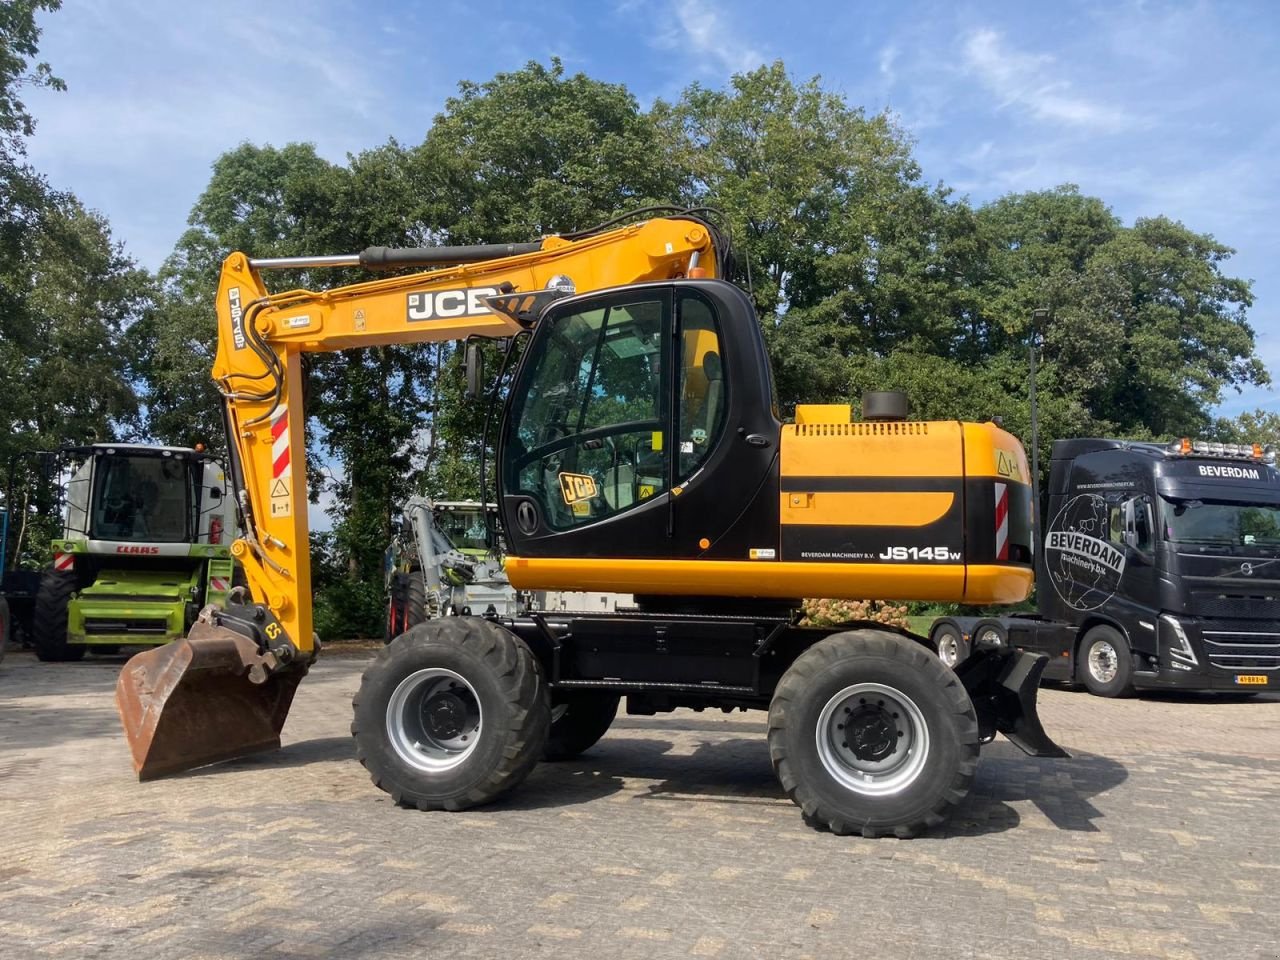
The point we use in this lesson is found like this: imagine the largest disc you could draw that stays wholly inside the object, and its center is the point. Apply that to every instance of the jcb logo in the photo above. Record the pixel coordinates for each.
(576, 487)
(446, 304)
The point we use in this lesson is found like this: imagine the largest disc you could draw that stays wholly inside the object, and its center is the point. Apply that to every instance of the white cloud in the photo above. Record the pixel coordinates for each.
(705, 31)
(1027, 80)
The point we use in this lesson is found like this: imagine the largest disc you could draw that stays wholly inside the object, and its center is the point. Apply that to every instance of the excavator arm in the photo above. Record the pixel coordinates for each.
(225, 690)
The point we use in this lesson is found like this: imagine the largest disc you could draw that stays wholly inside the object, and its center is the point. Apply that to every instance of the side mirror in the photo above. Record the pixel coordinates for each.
(474, 363)
(1130, 524)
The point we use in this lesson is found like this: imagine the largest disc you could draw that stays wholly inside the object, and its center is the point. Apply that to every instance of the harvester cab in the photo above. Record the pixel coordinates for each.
(145, 544)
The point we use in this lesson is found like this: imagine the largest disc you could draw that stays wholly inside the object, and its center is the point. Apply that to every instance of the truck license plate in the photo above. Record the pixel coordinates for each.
(1251, 679)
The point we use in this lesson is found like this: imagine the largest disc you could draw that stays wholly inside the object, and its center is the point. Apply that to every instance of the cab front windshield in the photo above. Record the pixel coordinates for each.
(1222, 523)
(143, 499)
(465, 527)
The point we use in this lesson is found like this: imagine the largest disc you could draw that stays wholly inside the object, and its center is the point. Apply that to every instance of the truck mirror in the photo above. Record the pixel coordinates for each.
(1130, 527)
(474, 363)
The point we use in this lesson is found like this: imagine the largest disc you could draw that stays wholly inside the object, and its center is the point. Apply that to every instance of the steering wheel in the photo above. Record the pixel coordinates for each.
(597, 433)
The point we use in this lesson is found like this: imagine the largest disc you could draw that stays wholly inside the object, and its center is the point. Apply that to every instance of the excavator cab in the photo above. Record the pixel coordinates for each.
(631, 412)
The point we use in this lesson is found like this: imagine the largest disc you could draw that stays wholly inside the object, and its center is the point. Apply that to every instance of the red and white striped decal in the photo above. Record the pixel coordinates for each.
(1002, 521)
(62, 562)
(219, 584)
(280, 465)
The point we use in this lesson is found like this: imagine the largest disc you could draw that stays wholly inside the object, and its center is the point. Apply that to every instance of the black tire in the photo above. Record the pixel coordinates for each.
(49, 623)
(406, 605)
(579, 718)
(500, 692)
(415, 601)
(950, 645)
(391, 620)
(897, 676)
(1111, 649)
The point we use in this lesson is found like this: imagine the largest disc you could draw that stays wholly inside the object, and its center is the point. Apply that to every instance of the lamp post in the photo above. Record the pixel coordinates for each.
(1038, 319)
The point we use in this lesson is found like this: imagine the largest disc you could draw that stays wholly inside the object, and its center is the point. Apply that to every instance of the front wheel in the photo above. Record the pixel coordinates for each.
(49, 622)
(452, 714)
(1105, 665)
(870, 734)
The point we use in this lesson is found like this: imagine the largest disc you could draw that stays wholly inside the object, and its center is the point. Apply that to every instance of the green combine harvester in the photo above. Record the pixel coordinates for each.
(146, 543)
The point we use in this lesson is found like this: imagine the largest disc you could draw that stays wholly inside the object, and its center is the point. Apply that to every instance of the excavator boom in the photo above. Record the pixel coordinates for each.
(224, 691)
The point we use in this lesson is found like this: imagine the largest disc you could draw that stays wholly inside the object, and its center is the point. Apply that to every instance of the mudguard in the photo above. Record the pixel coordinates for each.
(1002, 684)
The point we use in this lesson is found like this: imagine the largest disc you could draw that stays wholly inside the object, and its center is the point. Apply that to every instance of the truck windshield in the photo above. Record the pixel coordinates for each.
(143, 499)
(1229, 524)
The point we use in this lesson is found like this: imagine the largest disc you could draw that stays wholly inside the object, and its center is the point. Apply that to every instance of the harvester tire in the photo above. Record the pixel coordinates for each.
(49, 622)
(415, 601)
(870, 733)
(452, 714)
(579, 718)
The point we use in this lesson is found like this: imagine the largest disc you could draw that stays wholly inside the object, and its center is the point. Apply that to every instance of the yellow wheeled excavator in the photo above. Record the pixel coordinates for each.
(638, 451)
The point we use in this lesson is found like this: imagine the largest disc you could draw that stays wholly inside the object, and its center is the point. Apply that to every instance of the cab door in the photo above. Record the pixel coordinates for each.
(584, 453)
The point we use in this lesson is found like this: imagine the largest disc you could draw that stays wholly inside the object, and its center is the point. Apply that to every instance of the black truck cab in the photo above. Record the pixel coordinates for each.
(1159, 566)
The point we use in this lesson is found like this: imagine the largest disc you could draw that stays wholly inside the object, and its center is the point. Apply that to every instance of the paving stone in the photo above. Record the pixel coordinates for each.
(670, 838)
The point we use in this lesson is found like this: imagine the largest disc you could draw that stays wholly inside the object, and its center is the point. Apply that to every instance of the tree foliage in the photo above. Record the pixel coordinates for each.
(864, 276)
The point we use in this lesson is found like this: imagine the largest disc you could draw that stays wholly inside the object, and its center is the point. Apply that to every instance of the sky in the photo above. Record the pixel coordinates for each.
(1157, 108)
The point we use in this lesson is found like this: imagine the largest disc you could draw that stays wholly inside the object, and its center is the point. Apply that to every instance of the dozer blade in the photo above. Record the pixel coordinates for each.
(1002, 685)
(195, 701)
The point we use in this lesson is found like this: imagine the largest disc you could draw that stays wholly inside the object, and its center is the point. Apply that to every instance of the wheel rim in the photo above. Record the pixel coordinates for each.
(872, 739)
(948, 648)
(1104, 662)
(433, 719)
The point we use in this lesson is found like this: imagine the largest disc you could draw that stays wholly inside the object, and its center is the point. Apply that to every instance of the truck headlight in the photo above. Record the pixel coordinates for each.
(1179, 645)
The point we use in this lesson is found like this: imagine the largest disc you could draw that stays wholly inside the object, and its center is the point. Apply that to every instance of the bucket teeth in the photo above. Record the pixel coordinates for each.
(200, 700)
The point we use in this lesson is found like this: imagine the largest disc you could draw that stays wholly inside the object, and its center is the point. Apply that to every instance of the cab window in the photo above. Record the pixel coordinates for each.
(701, 406)
(586, 438)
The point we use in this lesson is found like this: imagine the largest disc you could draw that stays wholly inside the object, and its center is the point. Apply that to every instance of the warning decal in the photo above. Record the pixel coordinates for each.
(281, 465)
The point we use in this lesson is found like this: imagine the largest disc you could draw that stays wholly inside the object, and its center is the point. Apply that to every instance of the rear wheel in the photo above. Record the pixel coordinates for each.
(451, 715)
(1105, 665)
(579, 718)
(49, 623)
(950, 645)
(870, 733)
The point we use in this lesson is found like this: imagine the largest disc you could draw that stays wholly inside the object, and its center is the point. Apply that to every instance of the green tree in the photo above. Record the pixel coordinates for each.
(19, 40)
(846, 250)
(1146, 330)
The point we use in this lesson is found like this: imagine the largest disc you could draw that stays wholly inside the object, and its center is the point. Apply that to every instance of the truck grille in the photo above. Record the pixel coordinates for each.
(1236, 650)
(1215, 603)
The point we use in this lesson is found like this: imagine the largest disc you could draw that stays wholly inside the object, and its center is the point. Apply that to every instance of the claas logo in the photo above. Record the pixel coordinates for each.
(576, 487)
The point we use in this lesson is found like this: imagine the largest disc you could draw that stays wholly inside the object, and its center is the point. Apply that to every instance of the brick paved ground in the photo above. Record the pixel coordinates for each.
(669, 839)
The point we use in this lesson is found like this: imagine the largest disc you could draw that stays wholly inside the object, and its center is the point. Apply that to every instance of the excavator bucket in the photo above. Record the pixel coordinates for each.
(200, 700)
